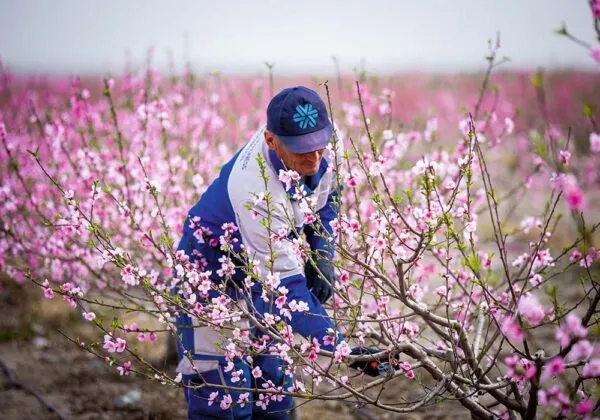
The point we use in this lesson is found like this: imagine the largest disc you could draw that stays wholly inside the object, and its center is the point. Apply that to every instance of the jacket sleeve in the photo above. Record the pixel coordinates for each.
(256, 236)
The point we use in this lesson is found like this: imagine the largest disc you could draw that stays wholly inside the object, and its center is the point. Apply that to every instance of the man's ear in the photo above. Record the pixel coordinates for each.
(270, 140)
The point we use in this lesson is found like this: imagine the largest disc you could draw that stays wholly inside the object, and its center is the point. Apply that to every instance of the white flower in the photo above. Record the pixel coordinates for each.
(288, 178)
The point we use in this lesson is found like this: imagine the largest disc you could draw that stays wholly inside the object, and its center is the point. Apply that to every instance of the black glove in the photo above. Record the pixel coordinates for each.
(371, 367)
(318, 282)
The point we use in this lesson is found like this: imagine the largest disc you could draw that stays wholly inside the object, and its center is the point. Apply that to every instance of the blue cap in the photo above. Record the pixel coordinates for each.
(298, 116)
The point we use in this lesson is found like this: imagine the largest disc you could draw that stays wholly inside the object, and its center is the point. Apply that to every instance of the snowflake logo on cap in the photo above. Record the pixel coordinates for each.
(306, 116)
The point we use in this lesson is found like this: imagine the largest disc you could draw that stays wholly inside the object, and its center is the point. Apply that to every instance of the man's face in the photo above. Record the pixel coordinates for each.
(305, 164)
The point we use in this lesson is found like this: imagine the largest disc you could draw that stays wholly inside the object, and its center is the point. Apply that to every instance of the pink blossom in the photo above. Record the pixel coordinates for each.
(519, 369)
(596, 8)
(227, 267)
(297, 387)
(530, 222)
(280, 301)
(375, 169)
(129, 276)
(595, 142)
(125, 369)
(553, 133)
(341, 350)
(536, 280)
(512, 330)
(300, 306)
(133, 327)
(413, 136)
(520, 260)
(236, 376)
(424, 165)
(273, 280)
(571, 329)
(289, 178)
(575, 256)
(263, 401)
(269, 319)
(542, 397)
(431, 128)
(586, 261)
(449, 184)
(582, 350)
(48, 293)
(531, 308)
(109, 345)
(152, 186)
(575, 326)
(405, 366)
(554, 367)
(591, 369)
(90, 316)
(70, 301)
(595, 54)
(441, 291)
(575, 199)
(229, 367)
(384, 109)
(380, 243)
(120, 345)
(226, 402)
(530, 369)
(344, 278)
(509, 125)
(243, 399)
(584, 407)
(229, 227)
(309, 218)
(212, 397)
(257, 372)
(565, 156)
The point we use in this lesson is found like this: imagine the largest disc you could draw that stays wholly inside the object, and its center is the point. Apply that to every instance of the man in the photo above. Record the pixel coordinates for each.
(296, 138)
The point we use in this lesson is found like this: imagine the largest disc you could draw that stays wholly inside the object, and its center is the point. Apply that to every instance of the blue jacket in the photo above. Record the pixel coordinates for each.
(232, 198)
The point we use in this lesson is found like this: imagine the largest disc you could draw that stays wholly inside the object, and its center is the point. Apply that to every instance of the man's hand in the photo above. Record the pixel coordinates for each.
(321, 279)
(371, 367)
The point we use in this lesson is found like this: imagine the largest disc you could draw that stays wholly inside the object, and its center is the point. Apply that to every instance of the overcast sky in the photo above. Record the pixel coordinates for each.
(66, 36)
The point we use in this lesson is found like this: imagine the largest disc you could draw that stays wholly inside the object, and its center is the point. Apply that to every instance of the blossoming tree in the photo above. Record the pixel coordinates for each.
(437, 269)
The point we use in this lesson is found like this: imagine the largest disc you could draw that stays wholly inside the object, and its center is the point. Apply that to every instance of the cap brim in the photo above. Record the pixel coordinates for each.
(310, 142)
